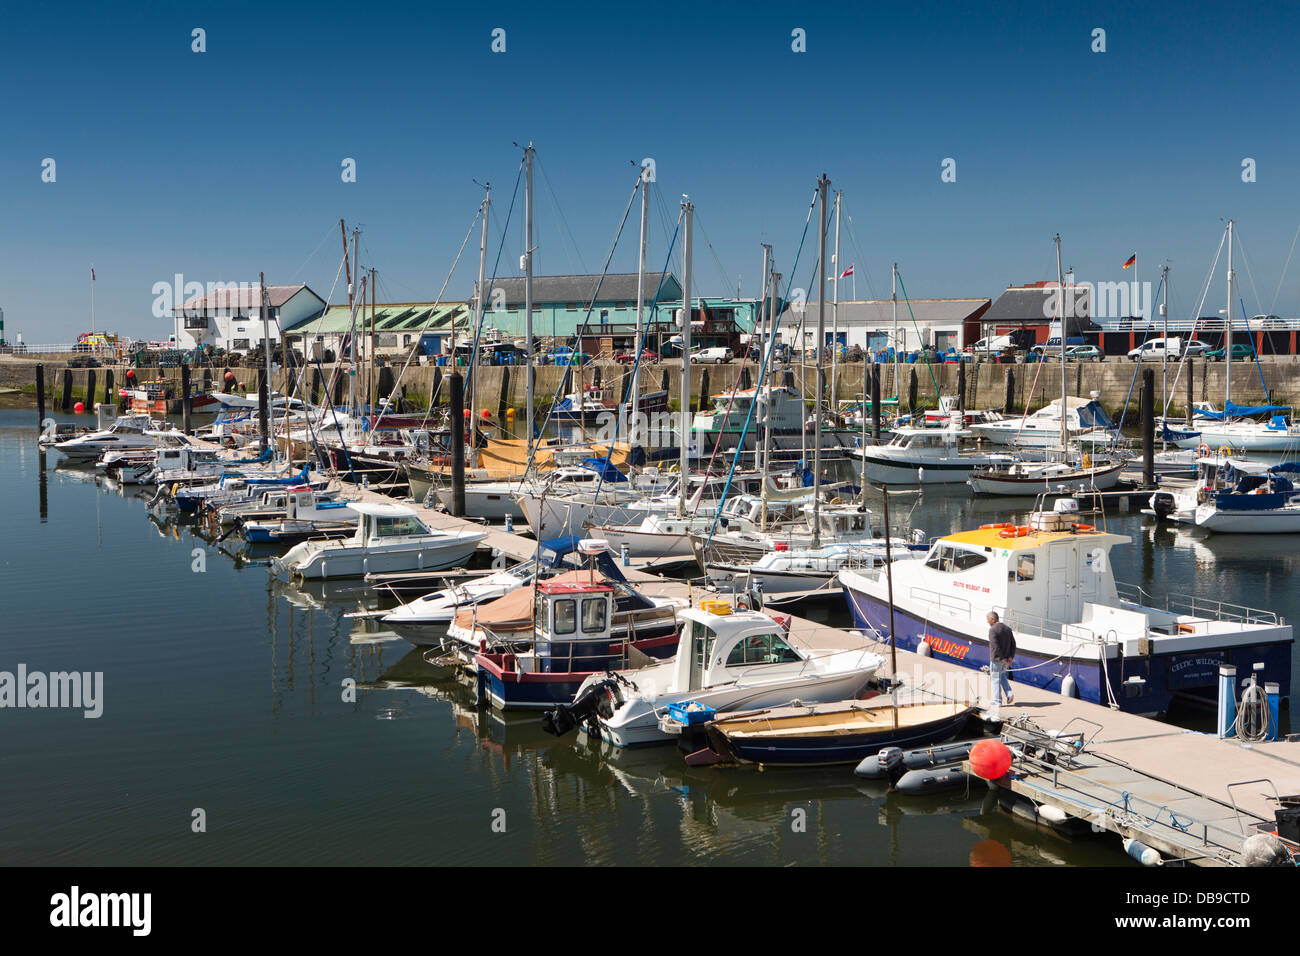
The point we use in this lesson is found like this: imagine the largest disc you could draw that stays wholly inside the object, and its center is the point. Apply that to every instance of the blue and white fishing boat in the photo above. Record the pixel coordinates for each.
(1077, 630)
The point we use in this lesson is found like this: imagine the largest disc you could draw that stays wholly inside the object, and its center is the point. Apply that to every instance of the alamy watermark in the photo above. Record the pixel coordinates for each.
(78, 690)
(1100, 300)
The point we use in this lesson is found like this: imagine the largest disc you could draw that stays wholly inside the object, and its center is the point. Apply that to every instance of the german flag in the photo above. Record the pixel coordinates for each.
(1131, 259)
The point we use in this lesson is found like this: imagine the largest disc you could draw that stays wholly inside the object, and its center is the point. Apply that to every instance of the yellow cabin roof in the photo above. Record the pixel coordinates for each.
(992, 538)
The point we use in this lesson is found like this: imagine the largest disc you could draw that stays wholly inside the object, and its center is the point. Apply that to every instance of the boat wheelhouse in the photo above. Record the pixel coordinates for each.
(1077, 629)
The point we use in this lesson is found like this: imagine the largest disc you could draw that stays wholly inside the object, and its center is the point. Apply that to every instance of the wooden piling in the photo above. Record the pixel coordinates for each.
(187, 402)
(66, 404)
(40, 393)
(457, 445)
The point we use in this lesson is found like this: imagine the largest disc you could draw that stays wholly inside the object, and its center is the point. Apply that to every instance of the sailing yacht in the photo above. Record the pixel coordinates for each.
(1042, 429)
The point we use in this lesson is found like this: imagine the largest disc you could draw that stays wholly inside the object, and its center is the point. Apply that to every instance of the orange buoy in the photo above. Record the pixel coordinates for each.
(130, 373)
(486, 413)
(467, 414)
(79, 407)
(990, 759)
(1083, 527)
(510, 414)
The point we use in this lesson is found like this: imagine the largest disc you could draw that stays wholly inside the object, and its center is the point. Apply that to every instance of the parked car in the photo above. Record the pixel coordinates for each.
(627, 358)
(717, 356)
(83, 361)
(1173, 348)
(1052, 347)
(1239, 353)
(1084, 353)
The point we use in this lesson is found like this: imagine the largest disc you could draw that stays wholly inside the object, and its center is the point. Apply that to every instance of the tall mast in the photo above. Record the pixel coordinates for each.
(822, 185)
(1164, 352)
(759, 335)
(372, 373)
(893, 304)
(1060, 311)
(480, 299)
(835, 315)
(347, 260)
(1227, 334)
(688, 210)
(770, 330)
(266, 347)
(528, 291)
(352, 331)
(640, 304)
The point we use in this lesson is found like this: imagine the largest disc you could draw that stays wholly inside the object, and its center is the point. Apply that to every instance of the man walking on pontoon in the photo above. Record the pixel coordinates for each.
(1002, 649)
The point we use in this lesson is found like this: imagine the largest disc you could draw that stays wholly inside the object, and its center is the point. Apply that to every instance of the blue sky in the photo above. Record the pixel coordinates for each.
(224, 164)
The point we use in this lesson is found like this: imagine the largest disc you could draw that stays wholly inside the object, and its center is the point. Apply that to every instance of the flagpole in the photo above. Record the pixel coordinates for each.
(92, 303)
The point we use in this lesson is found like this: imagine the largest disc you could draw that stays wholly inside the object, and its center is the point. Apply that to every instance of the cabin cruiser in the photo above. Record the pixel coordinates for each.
(837, 522)
(127, 433)
(388, 537)
(1078, 631)
(1043, 428)
(307, 514)
(925, 456)
(784, 572)
(725, 661)
(496, 499)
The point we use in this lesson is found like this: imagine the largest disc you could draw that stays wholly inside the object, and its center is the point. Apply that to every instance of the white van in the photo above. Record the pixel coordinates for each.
(718, 356)
(992, 343)
(1172, 348)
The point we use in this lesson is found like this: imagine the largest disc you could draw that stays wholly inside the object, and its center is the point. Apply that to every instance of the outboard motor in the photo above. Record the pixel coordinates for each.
(601, 699)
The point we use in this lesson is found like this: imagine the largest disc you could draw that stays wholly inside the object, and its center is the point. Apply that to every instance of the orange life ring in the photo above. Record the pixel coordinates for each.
(995, 527)
(1014, 531)
(1083, 527)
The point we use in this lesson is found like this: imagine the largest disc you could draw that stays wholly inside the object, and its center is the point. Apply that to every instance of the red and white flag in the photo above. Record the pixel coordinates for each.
(846, 273)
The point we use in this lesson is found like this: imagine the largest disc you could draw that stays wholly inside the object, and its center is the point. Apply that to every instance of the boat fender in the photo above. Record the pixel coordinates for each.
(1141, 852)
(1076, 527)
(1068, 687)
(1052, 814)
(923, 648)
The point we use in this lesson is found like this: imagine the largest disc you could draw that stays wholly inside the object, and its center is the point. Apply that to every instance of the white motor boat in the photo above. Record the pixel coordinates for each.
(425, 620)
(389, 537)
(786, 572)
(128, 433)
(925, 456)
(1042, 429)
(724, 661)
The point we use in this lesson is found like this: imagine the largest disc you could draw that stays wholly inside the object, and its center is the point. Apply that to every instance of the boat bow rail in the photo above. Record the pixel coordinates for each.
(1199, 607)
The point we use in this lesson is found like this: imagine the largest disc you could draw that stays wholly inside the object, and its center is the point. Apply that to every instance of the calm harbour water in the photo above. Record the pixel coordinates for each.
(223, 692)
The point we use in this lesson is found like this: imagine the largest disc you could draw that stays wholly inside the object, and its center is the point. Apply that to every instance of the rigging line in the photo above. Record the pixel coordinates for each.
(722, 272)
(483, 299)
(924, 354)
(328, 233)
(1137, 367)
(1246, 259)
(1196, 316)
(559, 213)
(1227, 354)
(591, 305)
(636, 363)
(853, 238)
(433, 312)
(1278, 291)
(762, 372)
(663, 224)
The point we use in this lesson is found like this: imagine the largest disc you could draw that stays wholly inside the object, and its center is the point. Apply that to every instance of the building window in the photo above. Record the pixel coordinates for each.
(196, 322)
(571, 306)
(604, 316)
(239, 345)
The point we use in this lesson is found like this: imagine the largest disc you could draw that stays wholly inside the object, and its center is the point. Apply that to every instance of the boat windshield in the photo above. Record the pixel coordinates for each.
(948, 558)
(769, 648)
(391, 527)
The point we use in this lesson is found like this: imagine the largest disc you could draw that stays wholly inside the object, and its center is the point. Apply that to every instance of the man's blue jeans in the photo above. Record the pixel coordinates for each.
(1000, 674)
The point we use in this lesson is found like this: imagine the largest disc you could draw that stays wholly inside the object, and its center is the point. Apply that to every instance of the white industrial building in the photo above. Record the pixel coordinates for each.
(231, 318)
(870, 324)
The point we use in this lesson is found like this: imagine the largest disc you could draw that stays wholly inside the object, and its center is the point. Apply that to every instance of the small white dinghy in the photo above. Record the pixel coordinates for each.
(389, 537)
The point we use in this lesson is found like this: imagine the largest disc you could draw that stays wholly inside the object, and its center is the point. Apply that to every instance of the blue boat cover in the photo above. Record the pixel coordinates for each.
(1093, 414)
(1236, 411)
(605, 468)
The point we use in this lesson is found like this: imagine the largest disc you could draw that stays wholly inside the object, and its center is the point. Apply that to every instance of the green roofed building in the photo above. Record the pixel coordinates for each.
(398, 327)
